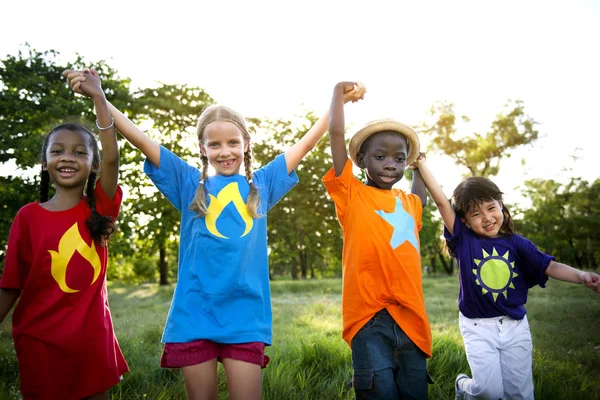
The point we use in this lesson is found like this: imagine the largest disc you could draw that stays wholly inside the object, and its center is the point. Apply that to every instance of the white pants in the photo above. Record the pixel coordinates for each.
(499, 352)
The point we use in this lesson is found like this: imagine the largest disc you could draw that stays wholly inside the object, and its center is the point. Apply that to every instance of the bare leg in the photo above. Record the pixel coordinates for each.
(201, 380)
(243, 379)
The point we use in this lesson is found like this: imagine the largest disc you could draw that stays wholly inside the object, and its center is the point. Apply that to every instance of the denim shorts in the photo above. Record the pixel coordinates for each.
(177, 355)
(386, 363)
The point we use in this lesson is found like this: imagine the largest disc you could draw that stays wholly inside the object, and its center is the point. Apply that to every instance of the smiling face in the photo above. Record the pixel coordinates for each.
(383, 156)
(224, 146)
(485, 218)
(69, 158)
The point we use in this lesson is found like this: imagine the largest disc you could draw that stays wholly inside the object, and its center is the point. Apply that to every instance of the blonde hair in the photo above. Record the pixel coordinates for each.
(221, 113)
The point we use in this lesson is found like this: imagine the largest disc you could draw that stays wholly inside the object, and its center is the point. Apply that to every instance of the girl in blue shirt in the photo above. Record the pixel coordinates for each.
(221, 308)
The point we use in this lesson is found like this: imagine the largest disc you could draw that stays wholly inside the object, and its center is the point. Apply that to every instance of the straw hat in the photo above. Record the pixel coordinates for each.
(385, 125)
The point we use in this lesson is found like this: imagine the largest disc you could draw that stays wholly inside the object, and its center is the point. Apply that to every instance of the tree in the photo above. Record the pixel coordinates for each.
(304, 237)
(480, 153)
(564, 220)
(34, 98)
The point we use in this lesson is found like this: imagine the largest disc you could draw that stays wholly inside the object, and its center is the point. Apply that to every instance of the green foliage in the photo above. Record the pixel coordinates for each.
(34, 98)
(433, 253)
(563, 220)
(152, 222)
(480, 153)
(14, 193)
(304, 235)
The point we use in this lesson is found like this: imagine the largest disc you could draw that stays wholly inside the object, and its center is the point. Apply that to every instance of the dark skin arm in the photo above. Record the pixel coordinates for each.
(418, 186)
(337, 125)
(8, 298)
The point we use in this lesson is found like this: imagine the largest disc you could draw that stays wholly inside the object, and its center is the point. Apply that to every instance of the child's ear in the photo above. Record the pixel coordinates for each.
(246, 145)
(95, 168)
(360, 160)
(202, 149)
(44, 166)
(464, 220)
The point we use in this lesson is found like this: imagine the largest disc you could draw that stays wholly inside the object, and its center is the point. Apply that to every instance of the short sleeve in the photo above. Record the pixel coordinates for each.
(18, 253)
(107, 206)
(339, 188)
(457, 231)
(273, 181)
(531, 261)
(175, 177)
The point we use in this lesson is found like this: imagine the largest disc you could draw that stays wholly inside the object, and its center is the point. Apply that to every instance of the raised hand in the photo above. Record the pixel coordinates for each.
(415, 164)
(86, 82)
(353, 91)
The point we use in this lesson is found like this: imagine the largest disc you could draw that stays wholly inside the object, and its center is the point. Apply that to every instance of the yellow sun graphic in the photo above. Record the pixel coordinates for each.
(494, 273)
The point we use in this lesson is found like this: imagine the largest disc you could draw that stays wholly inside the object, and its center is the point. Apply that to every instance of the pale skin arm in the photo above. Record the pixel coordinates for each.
(128, 129)
(564, 272)
(437, 194)
(353, 92)
(8, 298)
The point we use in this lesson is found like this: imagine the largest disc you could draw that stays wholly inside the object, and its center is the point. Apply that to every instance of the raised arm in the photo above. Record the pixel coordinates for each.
(337, 123)
(297, 152)
(109, 164)
(418, 187)
(136, 136)
(436, 192)
(128, 129)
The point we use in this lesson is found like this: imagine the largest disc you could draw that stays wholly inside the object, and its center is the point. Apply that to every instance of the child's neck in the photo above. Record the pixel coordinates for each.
(64, 199)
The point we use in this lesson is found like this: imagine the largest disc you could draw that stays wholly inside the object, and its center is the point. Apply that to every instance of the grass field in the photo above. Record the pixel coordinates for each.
(309, 360)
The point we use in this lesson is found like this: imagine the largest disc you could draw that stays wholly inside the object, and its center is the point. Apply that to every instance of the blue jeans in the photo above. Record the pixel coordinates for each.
(387, 364)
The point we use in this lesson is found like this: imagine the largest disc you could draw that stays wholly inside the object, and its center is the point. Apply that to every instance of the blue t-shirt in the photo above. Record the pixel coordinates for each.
(495, 274)
(222, 291)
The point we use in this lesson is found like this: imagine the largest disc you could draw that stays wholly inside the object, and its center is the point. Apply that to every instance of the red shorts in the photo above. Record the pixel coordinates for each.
(177, 355)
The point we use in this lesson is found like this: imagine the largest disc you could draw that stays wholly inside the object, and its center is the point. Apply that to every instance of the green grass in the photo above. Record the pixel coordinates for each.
(309, 359)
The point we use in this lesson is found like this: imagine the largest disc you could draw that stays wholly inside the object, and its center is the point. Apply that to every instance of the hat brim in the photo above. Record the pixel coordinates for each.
(384, 125)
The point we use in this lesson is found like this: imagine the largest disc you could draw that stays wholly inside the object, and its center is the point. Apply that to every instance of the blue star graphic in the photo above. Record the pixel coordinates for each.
(404, 226)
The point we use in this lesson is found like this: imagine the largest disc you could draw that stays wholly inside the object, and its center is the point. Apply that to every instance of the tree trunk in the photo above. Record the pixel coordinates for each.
(448, 266)
(162, 265)
(433, 265)
(302, 257)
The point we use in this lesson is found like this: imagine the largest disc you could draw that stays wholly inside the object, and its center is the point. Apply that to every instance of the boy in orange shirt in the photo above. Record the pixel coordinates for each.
(383, 310)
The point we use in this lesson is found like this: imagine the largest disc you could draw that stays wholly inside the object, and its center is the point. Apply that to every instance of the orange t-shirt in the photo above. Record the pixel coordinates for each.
(381, 261)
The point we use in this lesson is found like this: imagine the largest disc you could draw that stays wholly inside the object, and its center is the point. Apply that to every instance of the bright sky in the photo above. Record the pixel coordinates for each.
(282, 58)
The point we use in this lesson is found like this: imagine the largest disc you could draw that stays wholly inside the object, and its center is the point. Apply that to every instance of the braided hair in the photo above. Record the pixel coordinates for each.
(221, 113)
(101, 227)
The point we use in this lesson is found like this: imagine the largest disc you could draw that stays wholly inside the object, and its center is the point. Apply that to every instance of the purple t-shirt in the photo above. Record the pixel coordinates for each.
(495, 274)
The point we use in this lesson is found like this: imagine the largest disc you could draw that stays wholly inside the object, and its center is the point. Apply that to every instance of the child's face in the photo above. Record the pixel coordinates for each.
(69, 158)
(224, 146)
(485, 219)
(383, 156)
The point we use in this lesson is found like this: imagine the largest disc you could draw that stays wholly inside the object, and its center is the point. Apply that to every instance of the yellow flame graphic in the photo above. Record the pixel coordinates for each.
(229, 194)
(70, 243)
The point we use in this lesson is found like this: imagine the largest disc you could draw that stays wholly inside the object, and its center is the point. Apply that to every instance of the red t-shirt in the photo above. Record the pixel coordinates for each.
(62, 328)
(381, 261)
